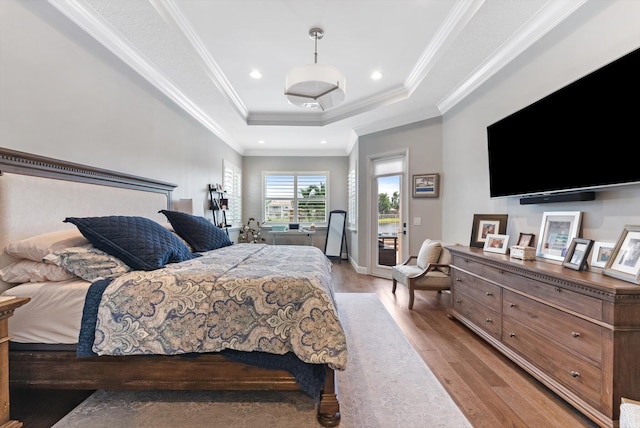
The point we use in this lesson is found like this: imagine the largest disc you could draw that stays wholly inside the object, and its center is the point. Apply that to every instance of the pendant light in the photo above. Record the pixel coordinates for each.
(315, 86)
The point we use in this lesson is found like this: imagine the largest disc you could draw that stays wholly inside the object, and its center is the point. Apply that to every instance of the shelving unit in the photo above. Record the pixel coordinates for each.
(219, 207)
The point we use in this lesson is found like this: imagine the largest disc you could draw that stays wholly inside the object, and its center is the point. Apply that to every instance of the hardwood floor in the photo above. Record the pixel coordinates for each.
(490, 390)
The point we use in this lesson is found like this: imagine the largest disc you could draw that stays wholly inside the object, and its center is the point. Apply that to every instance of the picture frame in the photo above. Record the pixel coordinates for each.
(578, 254)
(484, 224)
(601, 253)
(526, 239)
(496, 243)
(557, 230)
(426, 185)
(624, 262)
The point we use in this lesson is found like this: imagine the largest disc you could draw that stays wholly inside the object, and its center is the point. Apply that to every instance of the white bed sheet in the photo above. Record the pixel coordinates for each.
(53, 315)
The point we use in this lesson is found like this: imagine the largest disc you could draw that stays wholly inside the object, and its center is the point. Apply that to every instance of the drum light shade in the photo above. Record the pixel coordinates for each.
(315, 86)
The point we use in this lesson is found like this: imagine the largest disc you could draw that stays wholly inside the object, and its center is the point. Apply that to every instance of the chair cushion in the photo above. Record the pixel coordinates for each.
(434, 279)
(429, 253)
(402, 274)
(629, 413)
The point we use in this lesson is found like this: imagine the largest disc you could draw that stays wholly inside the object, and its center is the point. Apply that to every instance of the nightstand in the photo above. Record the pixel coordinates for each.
(6, 310)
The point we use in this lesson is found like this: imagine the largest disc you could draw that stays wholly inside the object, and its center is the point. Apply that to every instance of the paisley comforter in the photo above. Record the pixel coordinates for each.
(244, 297)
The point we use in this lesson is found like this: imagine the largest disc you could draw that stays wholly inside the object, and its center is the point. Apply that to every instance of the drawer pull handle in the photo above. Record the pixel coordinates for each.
(575, 334)
(458, 301)
(512, 335)
(489, 293)
(458, 279)
(574, 373)
(488, 320)
(512, 305)
(557, 289)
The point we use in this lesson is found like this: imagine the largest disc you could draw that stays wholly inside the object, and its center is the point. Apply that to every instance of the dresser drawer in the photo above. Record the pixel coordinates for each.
(576, 374)
(484, 292)
(480, 315)
(585, 305)
(580, 336)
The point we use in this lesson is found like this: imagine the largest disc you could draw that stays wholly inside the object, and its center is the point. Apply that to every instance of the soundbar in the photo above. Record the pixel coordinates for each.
(558, 197)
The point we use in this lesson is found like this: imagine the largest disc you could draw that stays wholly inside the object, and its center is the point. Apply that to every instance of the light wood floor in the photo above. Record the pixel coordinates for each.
(490, 390)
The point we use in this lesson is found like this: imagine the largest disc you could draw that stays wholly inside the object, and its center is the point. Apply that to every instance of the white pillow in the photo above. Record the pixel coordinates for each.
(429, 253)
(36, 247)
(29, 271)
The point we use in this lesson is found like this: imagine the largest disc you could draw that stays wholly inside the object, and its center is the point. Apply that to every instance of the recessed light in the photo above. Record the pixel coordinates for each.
(260, 141)
(255, 74)
(323, 142)
(376, 75)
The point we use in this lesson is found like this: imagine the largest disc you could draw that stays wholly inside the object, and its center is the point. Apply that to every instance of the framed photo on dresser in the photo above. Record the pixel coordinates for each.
(485, 224)
(556, 233)
(624, 262)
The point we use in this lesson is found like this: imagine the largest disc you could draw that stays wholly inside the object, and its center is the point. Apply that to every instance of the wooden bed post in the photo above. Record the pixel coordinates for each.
(329, 407)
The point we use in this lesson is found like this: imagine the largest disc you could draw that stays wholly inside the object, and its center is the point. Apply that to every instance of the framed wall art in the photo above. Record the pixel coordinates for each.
(426, 185)
(601, 253)
(495, 243)
(624, 262)
(484, 224)
(577, 254)
(556, 233)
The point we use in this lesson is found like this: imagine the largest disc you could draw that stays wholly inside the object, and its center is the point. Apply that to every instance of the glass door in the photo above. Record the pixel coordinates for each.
(388, 226)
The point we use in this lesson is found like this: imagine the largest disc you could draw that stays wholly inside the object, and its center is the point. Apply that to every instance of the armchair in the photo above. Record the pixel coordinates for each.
(430, 271)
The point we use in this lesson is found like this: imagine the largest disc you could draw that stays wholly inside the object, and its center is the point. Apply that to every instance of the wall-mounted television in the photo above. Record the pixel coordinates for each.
(583, 136)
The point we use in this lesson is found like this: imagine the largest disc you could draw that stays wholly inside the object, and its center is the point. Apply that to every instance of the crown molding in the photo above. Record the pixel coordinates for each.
(553, 13)
(86, 18)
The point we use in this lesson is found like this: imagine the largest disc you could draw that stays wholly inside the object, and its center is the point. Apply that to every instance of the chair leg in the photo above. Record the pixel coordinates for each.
(393, 289)
(410, 297)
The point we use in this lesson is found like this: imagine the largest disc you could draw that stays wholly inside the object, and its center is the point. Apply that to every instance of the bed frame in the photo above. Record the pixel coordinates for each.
(36, 194)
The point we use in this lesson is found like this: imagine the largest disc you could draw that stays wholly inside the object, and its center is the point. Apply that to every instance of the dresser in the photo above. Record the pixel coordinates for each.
(576, 332)
(6, 310)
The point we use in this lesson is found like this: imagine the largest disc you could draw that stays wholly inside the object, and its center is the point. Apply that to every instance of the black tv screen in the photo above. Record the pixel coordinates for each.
(583, 136)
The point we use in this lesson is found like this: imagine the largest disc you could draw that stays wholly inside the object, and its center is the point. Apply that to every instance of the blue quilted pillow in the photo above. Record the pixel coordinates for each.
(139, 242)
(200, 233)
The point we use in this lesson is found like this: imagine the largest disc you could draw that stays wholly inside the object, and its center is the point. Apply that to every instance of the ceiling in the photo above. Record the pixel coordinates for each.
(199, 53)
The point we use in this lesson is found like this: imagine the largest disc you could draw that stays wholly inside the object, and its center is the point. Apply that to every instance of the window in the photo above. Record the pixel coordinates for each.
(232, 185)
(353, 204)
(295, 197)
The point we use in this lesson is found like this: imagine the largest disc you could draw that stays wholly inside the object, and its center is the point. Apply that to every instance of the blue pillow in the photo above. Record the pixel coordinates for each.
(200, 233)
(139, 242)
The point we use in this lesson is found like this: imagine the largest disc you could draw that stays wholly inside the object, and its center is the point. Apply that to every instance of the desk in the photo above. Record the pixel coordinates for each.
(287, 233)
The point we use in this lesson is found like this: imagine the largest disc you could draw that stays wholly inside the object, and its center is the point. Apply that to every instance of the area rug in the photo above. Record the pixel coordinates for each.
(386, 384)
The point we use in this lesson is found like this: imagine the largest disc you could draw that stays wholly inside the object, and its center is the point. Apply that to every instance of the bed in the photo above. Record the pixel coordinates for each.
(235, 317)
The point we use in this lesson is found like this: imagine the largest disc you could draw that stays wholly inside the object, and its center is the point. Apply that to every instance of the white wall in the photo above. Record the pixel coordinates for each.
(596, 34)
(423, 140)
(65, 96)
(253, 166)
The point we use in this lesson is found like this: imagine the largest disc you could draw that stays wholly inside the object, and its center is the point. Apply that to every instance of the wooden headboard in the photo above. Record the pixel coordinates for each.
(38, 193)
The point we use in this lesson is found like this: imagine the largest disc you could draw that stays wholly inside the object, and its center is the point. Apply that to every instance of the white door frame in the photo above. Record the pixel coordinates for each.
(372, 203)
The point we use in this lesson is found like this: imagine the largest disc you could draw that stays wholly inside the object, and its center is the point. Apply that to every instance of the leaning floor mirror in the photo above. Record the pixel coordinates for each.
(336, 242)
